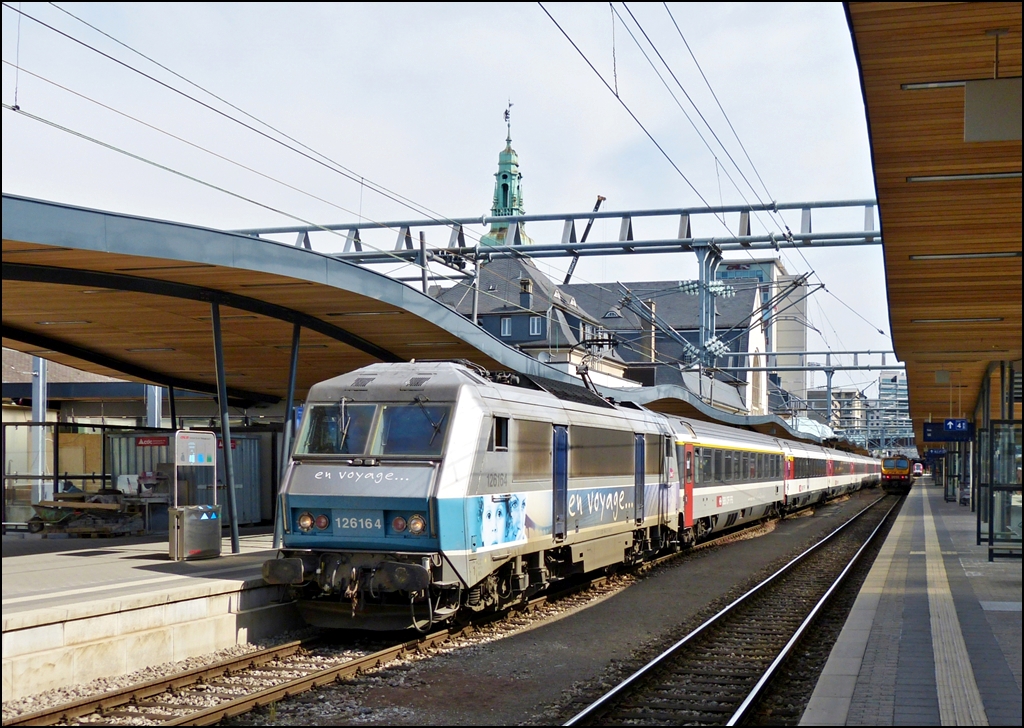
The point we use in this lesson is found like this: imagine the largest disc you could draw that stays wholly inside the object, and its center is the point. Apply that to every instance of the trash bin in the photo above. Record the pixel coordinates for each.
(194, 532)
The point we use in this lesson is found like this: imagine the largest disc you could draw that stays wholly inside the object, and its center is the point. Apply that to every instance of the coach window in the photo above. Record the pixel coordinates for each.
(506, 326)
(719, 466)
(706, 472)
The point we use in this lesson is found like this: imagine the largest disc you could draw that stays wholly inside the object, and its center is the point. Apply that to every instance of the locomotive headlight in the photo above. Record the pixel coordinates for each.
(322, 521)
(398, 524)
(417, 525)
(306, 521)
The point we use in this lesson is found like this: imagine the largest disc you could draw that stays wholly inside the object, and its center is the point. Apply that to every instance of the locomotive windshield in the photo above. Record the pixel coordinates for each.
(416, 429)
(340, 429)
(895, 463)
(411, 429)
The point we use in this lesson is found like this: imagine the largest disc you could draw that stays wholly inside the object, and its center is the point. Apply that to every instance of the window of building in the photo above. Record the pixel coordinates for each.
(535, 325)
(506, 326)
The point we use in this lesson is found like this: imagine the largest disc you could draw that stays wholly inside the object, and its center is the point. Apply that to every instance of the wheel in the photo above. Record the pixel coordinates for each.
(35, 524)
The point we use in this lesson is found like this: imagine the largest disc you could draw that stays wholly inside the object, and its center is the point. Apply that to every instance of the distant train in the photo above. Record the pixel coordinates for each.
(419, 491)
(896, 473)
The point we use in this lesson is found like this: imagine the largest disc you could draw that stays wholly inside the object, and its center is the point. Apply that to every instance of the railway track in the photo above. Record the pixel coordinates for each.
(715, 674)
(235, 686)
(232, 687)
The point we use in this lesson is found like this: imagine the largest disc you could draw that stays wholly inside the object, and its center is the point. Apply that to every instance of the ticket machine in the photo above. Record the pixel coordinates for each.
(195, 517)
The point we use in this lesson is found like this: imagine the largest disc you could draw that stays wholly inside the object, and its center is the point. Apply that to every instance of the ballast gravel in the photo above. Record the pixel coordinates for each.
(69, 693)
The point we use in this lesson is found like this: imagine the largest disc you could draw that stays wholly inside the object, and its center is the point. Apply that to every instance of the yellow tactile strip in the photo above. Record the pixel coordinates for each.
(959, 699)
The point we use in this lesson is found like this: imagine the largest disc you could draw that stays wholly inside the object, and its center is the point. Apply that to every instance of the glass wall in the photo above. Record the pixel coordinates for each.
(1004, 498)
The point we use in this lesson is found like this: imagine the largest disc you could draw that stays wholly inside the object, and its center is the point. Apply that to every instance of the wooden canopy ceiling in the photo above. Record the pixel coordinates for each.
(131, 298)
(946, 314)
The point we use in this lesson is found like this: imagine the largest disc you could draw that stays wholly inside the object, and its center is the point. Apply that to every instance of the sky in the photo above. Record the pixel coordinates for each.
(411, 98)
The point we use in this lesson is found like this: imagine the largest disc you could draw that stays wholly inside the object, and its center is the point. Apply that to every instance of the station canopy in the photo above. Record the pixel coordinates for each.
(946, 149)
(130, 297)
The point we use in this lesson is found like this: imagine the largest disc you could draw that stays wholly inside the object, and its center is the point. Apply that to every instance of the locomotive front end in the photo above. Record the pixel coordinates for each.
(362, 545)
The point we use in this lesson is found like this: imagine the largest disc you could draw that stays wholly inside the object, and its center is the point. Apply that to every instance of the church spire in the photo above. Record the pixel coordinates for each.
(508, 192)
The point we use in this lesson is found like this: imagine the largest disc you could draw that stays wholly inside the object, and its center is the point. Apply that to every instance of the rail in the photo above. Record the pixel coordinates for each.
(599, 709)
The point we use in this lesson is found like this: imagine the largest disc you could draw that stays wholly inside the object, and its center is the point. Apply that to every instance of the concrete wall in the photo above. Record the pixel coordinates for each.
(48, 648)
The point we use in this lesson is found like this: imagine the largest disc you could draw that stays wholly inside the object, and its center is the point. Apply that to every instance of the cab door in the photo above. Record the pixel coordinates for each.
(688, 482)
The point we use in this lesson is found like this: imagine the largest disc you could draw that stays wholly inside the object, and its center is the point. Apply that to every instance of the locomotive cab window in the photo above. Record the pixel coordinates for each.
(336, 429)
(412, 429)
(498, 441)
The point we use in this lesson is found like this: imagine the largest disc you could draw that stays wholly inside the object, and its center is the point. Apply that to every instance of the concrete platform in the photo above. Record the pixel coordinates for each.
(79, 609)
(934, 637)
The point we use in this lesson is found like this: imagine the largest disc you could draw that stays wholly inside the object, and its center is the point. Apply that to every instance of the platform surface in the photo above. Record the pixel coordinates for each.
(43, 577)
(934, 637)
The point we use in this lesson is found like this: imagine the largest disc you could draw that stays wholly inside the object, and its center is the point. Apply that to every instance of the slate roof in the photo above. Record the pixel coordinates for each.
(499, 290)
(679, 310)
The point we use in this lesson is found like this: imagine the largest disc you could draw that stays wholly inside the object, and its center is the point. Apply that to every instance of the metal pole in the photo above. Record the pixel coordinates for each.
(286, 437)
(828, 396)
(476, 292)
(38, 437)
(154, 405)
(3, 503)
(171, 406)
(423, 259)
(225, 424)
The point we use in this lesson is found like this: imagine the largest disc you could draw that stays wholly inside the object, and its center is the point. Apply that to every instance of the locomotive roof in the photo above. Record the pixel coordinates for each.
(402, 376)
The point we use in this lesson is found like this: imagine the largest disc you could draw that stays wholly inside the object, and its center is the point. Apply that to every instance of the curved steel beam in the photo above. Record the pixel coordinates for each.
(121, 282)
(64, 227)
(240, 396)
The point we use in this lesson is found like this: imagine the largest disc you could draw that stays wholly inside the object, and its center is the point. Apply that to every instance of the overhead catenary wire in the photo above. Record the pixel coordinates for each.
(343, 170)
(695, 107)
(747, 155)
(361, 181)
(720, 107)
(630, 112)
(323, 160)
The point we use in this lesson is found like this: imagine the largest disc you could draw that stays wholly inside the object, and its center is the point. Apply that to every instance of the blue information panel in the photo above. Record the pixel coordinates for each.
(939, 432)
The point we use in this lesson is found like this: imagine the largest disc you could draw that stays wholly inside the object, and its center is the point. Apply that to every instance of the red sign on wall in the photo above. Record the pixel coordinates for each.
(152, 441)
(220, 444)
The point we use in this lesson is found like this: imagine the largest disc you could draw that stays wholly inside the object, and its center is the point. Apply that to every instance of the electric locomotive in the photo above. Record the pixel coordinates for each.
(420, 490)
(896, 473)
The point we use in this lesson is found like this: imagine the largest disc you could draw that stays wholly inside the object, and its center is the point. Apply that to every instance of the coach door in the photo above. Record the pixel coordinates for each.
(560, 481)
(688, 476)
(639, 474)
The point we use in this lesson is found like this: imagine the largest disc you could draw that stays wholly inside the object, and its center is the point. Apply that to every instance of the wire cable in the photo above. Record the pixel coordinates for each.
(346, 172)
(696, 108)
(629, 111)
